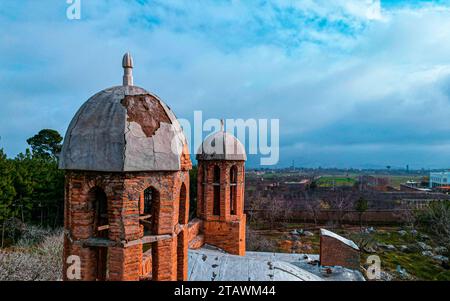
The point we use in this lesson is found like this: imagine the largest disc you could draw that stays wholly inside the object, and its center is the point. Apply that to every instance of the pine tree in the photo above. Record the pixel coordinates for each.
(7, 192)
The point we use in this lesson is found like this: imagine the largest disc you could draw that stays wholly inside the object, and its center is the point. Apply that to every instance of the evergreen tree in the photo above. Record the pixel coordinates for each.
(7, 192)
(47, 143)
(40, 187)
(361, 206)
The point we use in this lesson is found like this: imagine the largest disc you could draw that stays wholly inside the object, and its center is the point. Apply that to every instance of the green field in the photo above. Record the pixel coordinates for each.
(331, 181)
(351, 179)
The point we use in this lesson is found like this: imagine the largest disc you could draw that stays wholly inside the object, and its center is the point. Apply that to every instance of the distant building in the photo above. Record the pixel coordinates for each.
(438, 179)
(367, 182)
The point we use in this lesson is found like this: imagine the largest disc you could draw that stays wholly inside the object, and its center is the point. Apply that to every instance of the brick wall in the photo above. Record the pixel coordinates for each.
(195, 227)
(124, 193)
(336, 253)
(122, 257)
(226, 231)
(229, 236)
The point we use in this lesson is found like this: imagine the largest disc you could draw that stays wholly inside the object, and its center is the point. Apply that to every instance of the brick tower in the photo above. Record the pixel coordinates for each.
(220, 186)
(127, 187)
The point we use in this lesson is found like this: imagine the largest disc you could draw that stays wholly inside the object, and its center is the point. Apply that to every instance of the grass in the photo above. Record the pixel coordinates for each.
(330, 181)
(417, 265)
(350, 180)
(421, 267)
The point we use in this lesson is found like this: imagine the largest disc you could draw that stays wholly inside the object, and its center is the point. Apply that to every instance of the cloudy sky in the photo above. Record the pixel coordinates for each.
(359, 83)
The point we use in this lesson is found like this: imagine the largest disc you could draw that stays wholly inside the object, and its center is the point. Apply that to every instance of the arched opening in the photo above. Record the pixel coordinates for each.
(182, 212)
(204, 183)
(192, 193)
(99, 206)
(148, 219)
(233, 189)
(182, 219)
(216, 192)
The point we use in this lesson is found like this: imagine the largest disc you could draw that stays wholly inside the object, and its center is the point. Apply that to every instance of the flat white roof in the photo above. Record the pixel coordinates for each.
(441, 173)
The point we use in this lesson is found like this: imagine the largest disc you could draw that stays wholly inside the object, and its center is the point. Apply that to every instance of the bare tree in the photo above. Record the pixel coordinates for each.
(273, 211)
(254, 206)
(341, 203)
(436, 217)
(287, 208)
(408, 216)
(313, 206)
(256, 242)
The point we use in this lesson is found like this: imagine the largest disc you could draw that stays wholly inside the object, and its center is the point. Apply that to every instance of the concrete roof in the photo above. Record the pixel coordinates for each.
(209, 265)
(108, 134)
(212, 264)
(221, 146)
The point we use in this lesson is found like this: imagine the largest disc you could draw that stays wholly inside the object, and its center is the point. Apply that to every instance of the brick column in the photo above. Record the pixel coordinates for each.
(182, 254)
(163, 260)
(125, 264)
(200, 180)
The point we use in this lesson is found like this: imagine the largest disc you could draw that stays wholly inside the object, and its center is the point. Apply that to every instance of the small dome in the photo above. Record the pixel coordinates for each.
(221, 146)
(123, 128)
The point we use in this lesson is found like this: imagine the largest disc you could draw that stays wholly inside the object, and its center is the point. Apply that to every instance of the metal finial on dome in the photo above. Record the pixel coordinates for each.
(127, 64)
(222, 125)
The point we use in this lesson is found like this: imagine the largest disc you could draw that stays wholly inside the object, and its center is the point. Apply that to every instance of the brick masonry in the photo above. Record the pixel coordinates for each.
(120, 254)
(336, 253)
(124, 193)
(227, 230)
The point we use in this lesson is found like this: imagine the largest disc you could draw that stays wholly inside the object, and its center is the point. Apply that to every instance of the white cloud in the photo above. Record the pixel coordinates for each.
(319, 66)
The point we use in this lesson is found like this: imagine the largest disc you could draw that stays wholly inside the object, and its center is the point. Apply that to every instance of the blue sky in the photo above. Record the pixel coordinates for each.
(354, 83)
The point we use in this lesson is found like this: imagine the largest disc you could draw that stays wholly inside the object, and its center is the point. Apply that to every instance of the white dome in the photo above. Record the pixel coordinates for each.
(221, 146)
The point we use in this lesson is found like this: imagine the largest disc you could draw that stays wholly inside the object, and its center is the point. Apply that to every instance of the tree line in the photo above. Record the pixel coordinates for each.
(31, 185)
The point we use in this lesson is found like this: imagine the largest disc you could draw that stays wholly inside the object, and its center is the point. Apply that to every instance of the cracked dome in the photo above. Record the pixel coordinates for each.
(123, 128)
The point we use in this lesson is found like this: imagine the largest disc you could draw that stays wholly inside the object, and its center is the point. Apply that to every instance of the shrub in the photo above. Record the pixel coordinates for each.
(256, 242)
(41, 262)
(436, 219)
(32, 235)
